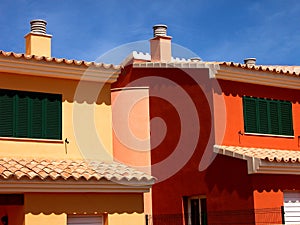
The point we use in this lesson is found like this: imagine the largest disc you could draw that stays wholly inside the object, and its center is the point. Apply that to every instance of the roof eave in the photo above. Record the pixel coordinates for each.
(262, 166)
(258, 76)
(74, 186)
(59, 68)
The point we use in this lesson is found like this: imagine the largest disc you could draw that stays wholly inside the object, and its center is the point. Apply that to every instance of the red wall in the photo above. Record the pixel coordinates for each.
(232, 194)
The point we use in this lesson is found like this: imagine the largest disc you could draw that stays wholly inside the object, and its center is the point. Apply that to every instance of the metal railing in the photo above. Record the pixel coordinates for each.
(232, 217)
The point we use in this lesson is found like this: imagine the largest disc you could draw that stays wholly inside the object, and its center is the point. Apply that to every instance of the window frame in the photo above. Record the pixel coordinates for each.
(269, 115)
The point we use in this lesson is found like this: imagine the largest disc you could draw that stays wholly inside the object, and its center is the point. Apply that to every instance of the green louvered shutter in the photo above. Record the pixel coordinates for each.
(6, 114)
(250, 115)
(274, 117)
(30, 114)
(53, 117)
(263, 116)
(286, 118)
(22, 122)
(267, 116)
(36, 117)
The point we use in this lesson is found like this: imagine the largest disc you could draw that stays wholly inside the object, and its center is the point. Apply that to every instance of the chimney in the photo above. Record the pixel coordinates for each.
(160, 44)
(250, 61)
(37, 41)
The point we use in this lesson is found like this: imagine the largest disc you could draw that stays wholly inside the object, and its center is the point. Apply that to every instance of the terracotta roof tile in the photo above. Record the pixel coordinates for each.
(68, 169)
(280, 69)
(58, 60)
(272, 155)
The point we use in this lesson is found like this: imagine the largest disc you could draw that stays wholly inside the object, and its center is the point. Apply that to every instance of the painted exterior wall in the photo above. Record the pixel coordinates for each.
(233, 195)
(131, 135)
(38, 44)
(15, 214)
(233, 93)
(83, 109)
(125, 218)
(46, 208)
(74, 108)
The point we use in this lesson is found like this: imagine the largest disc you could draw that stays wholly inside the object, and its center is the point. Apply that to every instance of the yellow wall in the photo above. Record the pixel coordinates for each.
(31, 219)
(84, 143)
(61, 219)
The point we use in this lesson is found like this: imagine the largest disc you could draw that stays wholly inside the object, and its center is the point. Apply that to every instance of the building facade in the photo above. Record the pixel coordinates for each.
(225, 149)
(56, 142)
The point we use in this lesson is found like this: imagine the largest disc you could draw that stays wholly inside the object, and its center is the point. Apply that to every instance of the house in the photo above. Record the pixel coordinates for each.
(56, 143)
(224, 141)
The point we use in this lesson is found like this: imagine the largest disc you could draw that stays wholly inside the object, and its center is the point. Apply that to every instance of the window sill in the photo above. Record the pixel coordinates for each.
(31, 140)
(271, 135)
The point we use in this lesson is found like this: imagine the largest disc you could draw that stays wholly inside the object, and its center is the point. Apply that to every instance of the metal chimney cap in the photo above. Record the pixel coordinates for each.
(195, 59)
(160, 30)
(250, 61)
(38, 26)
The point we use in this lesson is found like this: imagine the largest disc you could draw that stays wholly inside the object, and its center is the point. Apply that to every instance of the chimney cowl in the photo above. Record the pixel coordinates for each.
(160, 30)
(195, 59)
(250, 61)
(38, 26)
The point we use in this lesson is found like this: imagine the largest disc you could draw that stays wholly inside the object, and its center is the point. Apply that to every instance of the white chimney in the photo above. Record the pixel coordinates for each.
(160, 44)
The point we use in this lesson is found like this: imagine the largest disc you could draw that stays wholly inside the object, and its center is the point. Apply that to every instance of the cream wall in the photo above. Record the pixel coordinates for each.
(82, 142)
(126, 219)
(31, 219)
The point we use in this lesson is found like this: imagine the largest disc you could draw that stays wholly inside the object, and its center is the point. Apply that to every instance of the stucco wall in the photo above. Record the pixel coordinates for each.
(86, 120)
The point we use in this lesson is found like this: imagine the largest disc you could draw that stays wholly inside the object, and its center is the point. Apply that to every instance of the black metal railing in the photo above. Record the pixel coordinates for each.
(232, 217)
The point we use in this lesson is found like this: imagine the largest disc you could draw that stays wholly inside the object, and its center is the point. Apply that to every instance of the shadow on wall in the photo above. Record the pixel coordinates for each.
(73, 91)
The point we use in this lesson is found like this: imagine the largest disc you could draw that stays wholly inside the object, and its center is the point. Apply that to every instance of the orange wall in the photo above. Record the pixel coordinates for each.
(233, 92)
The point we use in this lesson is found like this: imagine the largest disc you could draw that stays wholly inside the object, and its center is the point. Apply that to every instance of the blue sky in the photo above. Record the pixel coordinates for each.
(214, 30)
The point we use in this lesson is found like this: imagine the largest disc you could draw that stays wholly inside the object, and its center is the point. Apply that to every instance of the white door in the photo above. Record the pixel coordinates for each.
(292, 207)
(85, 220)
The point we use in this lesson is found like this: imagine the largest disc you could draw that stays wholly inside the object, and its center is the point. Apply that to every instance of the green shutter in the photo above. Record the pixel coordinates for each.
(274, 117)
(286, 118)
(6, 114)
(21, 115)
(53, 117)
(250, 115)
(263, 116)
(267, 116)
(30, 114)
(36, 117)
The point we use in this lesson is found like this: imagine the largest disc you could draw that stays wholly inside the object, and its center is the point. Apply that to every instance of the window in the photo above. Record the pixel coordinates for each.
(195, 210)
(266, 116)
(30, 114)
